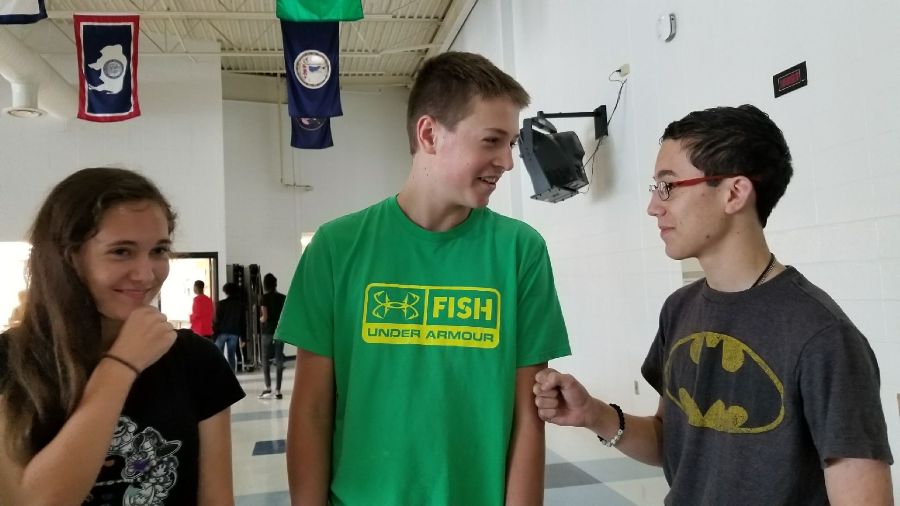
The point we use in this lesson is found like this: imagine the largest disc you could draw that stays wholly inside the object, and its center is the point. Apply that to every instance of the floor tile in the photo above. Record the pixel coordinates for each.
(280, 498)
(551, 457)
(268, 447)
(566, 475)
(248, 416)
(619, 469)
(585, 495)
(645, 492)
(579, 472)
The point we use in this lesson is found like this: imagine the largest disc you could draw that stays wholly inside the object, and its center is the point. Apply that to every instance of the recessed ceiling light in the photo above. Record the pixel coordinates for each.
(23, 112)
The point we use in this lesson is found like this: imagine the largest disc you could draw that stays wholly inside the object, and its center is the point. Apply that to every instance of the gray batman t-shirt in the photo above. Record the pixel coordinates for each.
(760, 387)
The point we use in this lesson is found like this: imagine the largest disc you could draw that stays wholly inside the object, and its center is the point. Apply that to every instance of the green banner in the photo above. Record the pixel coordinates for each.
(319, 10)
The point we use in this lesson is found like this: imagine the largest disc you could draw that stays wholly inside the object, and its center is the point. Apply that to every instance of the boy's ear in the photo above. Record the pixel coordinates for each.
(740, 196)
(426, 133)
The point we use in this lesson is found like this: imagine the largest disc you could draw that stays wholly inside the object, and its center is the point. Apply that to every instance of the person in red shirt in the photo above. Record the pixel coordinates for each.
(201, 312)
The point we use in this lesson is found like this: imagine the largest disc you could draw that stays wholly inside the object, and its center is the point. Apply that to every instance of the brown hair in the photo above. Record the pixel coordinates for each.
(447, 83)
(52, 353)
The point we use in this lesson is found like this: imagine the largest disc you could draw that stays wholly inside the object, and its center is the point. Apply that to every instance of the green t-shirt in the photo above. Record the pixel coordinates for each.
(426, 330)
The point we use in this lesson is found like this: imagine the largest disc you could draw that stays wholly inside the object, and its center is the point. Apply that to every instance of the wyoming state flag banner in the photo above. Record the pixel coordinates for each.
(107, 49)
(319, 10)
(311, 133)
(20, 12)
(311, 53)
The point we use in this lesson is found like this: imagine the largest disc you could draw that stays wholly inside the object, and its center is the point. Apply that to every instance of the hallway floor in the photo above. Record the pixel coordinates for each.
(580, 471)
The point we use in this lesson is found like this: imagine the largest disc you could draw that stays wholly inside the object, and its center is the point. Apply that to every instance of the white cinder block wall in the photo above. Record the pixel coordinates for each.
(839, 222)
(369, 161)
(266, 218)
(486, 33)
(176, 142)
(259, 210)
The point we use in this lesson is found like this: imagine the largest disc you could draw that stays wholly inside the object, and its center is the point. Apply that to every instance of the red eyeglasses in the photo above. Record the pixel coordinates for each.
(664, 188)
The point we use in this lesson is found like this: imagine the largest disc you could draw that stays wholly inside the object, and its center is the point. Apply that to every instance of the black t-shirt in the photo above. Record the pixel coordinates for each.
(274, 303)
(230, 317)
(154, 455)
(760, 387)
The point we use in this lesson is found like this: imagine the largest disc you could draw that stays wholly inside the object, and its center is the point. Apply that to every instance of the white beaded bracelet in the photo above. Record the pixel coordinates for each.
(612, 442)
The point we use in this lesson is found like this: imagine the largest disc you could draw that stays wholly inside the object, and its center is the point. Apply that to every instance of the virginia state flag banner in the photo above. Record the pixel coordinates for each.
(319, 10)
(311, 66)
(107, 49)
(311, 133)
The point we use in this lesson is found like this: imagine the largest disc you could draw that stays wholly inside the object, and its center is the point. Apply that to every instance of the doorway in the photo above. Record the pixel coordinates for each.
(176, 297)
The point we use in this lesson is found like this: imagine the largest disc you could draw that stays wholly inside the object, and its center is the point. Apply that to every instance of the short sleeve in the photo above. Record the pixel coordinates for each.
(839, 384)
(307, 319)
(213, 385)
(652, 369)
(541, 329)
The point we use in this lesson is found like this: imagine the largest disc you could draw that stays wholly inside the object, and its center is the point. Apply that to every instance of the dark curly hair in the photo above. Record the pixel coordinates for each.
(737, 141)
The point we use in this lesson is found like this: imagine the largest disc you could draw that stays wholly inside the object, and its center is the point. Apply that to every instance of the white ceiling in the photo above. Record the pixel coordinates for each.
(384, 48)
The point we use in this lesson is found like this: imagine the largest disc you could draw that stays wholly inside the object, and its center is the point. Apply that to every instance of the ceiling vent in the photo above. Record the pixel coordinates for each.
(27, 73)
(24, 101)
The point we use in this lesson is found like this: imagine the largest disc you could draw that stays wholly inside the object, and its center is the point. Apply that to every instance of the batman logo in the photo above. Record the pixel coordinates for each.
(704, 371)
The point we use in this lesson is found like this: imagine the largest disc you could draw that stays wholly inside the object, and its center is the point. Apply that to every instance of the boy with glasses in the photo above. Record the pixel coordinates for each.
(768, 392)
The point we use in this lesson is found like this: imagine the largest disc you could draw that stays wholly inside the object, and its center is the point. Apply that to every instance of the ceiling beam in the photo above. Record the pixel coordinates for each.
(343, 54)
(453, 22)
(346, 81)
(232, 16)
(251, 53)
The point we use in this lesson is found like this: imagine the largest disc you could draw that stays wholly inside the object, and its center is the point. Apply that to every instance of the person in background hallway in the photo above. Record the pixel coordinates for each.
(18, 312)
(422, 320)
(270, 312)
(101, 400)
(768, 392)
(230, 323)
(201, 312)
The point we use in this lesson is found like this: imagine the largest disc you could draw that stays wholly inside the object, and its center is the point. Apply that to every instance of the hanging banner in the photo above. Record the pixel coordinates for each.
(311, 65)
(107, 50)
(21, 12)
(319, 10)
(311, 133)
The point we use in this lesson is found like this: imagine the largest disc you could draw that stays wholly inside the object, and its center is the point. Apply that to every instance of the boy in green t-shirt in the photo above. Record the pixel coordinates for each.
(422, 320)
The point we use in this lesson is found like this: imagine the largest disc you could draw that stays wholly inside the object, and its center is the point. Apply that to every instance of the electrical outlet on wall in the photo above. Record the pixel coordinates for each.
(637, 389)
(624, 70)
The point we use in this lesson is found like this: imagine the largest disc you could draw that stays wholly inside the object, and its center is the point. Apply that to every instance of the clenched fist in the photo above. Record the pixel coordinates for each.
(145, 336)
(561, 399)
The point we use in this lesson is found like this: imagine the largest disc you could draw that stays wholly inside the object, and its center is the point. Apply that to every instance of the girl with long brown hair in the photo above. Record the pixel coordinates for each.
(101, 400)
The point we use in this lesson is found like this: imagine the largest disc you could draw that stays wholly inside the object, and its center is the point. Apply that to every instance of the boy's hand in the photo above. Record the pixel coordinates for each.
(561, 399)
